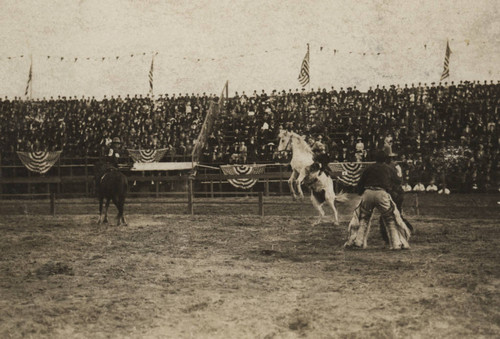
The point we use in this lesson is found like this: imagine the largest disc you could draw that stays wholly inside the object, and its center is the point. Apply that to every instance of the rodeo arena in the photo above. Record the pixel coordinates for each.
(346, 209)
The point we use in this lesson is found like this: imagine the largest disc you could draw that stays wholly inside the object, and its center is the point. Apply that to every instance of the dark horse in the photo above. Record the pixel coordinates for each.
(110, 184)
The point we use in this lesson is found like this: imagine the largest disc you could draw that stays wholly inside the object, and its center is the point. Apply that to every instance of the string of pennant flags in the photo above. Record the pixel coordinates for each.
(77, 58)
(318, 48)
(303, 78)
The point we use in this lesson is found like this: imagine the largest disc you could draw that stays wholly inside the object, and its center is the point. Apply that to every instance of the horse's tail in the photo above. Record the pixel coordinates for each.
(341, 197)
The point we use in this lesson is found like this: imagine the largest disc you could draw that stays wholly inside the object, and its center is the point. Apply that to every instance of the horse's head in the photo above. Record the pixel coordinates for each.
(285, 143)
(100, 167)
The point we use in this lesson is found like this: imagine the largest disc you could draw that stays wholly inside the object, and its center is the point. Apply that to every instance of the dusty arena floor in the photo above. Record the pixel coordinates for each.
(237, 275)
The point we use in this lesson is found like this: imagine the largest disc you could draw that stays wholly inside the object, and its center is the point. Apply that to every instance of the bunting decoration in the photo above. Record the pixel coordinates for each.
(148, 155)
(348, 172)
(40, 162)
(245, 183)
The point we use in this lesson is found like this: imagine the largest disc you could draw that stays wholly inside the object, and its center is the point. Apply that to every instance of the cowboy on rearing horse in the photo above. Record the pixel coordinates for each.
(321, 156)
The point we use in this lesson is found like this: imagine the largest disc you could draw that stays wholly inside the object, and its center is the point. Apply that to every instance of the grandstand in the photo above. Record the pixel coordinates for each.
(420, 119)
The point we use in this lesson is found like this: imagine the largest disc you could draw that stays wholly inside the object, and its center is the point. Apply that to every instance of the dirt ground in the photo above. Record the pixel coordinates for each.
(228, 273)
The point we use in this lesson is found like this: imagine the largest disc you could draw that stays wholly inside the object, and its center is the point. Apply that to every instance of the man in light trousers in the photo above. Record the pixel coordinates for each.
(374, 186)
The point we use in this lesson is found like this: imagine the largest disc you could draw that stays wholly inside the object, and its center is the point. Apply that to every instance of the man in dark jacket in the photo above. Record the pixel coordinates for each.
(396, 193)
(374, 186)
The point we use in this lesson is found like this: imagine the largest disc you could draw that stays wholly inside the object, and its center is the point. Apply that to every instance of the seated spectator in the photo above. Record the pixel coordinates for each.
(360, 150)
(431, 187)
(406, 187)
(444, 191)
(419, 187)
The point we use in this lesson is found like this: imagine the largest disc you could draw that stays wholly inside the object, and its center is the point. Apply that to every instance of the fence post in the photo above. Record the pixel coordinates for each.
(29, 183)
(1, 188)
(86, 176)
(59, 175)
(417, 210)
(53, 204)
(261, 204)
(281, 180)
(190, 197)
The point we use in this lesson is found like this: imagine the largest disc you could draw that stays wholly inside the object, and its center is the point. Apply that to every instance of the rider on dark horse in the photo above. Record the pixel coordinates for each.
(320, 156)
(109, 160)
(111, 184)
(113, 152)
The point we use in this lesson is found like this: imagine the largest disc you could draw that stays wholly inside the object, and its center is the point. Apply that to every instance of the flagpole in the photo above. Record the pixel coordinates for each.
(309, 54)
(31, 71)
(151, 75)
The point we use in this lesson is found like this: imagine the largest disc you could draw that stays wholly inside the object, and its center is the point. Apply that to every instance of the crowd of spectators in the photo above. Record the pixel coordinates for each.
(87, 126)
(417, 119)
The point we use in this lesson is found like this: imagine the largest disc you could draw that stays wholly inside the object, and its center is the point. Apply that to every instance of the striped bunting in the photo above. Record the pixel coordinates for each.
(39, 162)
(304, 69)
(348, 172)
(446, 70)
(147, 155)
(245, 183)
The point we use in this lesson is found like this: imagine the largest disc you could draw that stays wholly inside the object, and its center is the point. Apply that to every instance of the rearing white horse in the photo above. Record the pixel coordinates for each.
(302, 157)
(305, 169)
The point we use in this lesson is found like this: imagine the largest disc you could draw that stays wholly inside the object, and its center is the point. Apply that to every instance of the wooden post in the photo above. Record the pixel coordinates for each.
(211, 188)
(220, 184)
(86, 176)
(59, 174)
(190, 197)
(417, 210)
(1, 189)
(53, 204)
(261, 204)
(29, 182)
(266, 187)
(281, 180)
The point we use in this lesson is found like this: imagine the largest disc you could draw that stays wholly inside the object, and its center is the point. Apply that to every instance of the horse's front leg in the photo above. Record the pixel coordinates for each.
(331, 202)
(106, 212)
(100, 210)
(290, 184)
(299, 182)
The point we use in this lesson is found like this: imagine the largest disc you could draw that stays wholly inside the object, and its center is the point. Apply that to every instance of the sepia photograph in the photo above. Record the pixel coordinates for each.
(249, 169)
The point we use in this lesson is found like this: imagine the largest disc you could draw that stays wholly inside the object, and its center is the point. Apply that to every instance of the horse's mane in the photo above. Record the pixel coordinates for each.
(302, 144)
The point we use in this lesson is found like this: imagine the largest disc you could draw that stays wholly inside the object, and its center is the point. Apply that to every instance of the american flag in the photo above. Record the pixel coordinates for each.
(151, 75)
(28, 85)
(213, 111)
(304, 69)
(446, 70)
